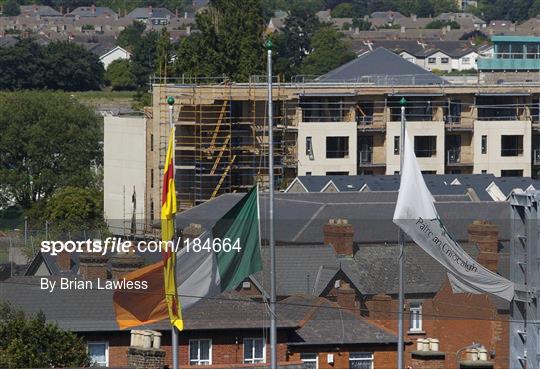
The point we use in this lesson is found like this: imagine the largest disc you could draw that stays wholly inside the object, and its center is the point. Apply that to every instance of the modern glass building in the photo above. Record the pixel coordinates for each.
(513, 53)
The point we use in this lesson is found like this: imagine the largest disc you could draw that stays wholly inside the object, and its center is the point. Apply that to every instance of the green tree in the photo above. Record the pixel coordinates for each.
(70, 67)
(11, 8)
(47, 140)
(32, 342)
(22, 66)
(144, 57)
(130, 36)
(438, 24)
(330, 50)
(119, 75)
(293, 43)
(74, 209)
(231, 37)
(343, 10)
(361, 24)
(164, 51)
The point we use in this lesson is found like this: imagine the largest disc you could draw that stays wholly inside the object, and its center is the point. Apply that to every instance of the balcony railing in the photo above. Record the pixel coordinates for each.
(453, 156)
(518, 151)
(365, 157)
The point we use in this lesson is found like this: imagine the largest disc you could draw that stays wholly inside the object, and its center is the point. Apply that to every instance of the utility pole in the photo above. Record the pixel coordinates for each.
(401, 239)
(273, 325)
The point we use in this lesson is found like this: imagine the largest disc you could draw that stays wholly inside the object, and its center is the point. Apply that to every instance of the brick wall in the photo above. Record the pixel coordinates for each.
(384, 356)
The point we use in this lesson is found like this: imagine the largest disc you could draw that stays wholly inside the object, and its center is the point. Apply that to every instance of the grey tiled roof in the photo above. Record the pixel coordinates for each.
(388, 67)
(97, 11)
(145, 13)
(300, 217)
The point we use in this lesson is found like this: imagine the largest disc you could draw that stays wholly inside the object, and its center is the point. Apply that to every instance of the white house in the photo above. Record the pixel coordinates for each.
(114, 54)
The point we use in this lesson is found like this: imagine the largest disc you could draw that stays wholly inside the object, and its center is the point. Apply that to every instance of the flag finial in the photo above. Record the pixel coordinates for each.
(403, 101)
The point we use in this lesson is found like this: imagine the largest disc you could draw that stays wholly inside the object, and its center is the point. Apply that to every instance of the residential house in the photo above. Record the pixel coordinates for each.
(39, 11)
(116, 53)
(151, 15)
(92, 11)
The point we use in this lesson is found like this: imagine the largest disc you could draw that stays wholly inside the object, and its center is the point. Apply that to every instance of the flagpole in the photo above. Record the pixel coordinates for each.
(174, 331)
(401, 239)
(273, 325)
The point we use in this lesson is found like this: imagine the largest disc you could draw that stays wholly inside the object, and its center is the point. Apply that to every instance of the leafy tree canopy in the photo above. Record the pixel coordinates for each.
(131, 35)
(438, 24)
(231, 36)
(59, 66)
(32, 342)
(48, 140)
(119, 75)
(11, 8)
(329, 51)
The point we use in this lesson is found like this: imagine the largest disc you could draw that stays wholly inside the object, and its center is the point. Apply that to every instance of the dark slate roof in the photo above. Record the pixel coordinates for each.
(89, 11)
(508, 184)
(300, 217)
(382, 66)
(41, 10)
(147, 13)
(330, 325)
(413, 47)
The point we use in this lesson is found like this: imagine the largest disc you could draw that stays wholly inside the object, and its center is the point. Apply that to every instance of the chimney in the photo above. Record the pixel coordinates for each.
(381, 308)
(414, 17)
(93, 265)
(93, 9)
(62, 9)
(150, 11)
(64, 261)
(339, 233)
(123, 263)
(176, 12)
(346, 297)
(486, 237)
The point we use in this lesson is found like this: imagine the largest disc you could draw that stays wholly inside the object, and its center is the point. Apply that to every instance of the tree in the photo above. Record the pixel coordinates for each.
(231, 36)
(293, 43)
(11, 8)
(119, 75)
(164, 51)
(131, 35)
(47, 140)
(73, 209)
(70, 67)
(32, 342)
(22, 66)
(439, 24)
(144, 57)
(329, 51)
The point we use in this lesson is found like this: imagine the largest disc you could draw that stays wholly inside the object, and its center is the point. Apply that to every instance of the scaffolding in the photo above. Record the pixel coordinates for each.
(222, 140)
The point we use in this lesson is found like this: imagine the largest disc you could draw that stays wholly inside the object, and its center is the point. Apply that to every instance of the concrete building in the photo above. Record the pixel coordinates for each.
(124, 182)
(345, 122)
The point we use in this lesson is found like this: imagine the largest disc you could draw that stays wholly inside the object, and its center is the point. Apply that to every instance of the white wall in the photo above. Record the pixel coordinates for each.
(492, 161)
(124, 165)
(438, 64)
(435, 163)
(320, 165)
(117, 53)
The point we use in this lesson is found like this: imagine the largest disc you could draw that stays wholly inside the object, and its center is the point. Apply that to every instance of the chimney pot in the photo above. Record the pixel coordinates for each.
(340, 234)
(64, 261)
(93, 265)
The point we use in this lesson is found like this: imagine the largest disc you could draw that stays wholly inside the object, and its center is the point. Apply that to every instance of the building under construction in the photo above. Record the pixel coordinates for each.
(221, 138)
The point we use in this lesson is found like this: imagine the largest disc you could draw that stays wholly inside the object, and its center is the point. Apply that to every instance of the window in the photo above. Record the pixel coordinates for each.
(445, 60)
(254, 350)
(337, 147)
(466, 60)
(483, 171)
(511, 145)
(361, 360)
(484, 144)
(416, 317)
(396, 145)
(200, 352)
(151, 209)
(309, 147)
(425, 146)
(337, 173)
(432, 60)
(98, 353)
(151, 177)
(151, 142)
(308, 173)
(512, 173)
(309, 361)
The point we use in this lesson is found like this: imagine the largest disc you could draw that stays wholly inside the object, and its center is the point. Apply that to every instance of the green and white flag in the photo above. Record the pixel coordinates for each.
(220, 260)
(416, 215)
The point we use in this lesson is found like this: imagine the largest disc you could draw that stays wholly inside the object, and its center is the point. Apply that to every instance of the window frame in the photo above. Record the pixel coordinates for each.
(198, 361)
(309, 146)
(371, 359)
(483, 144)
(415, 311)
(397, 145)
(106, 343)
(343, 147)
(315, 360)
(253, 359)
(432, 60)
(445, 60)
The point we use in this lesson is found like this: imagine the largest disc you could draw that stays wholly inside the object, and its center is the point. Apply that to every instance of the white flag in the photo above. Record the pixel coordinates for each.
(416, 215)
